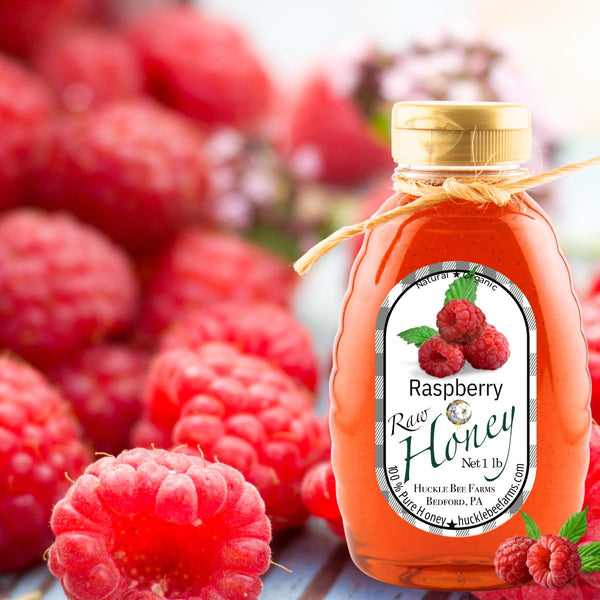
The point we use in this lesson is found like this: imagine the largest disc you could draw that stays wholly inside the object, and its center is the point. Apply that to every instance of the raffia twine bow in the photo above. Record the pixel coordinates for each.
(477, 191)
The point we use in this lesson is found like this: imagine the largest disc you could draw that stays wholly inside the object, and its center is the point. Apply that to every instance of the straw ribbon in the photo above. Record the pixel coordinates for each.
(477, 191)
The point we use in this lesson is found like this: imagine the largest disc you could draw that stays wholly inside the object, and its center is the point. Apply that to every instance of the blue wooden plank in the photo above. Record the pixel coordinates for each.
(30, 585)
(305, 557)
(353, 584)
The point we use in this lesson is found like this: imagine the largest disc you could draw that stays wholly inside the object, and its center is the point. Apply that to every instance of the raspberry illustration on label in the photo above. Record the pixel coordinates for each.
(463, 333)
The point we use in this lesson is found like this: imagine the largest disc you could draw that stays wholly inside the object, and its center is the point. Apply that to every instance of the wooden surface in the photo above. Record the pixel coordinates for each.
(321, 570)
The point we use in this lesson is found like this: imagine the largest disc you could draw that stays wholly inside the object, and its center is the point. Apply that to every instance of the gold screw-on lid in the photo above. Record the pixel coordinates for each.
(460, 134)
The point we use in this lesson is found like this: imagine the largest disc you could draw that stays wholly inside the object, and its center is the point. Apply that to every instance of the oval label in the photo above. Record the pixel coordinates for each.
(455, 427)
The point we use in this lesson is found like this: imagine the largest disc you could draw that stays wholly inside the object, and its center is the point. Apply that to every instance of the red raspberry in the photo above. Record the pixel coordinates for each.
(201, 66)
(326, 137)
(490, 351)
(133, 169)
(460, 321)
(39, 442)
(103, 384)
(242, 411)
(319, 495)
(202, 268)
(27, 25)
(152, 523)
(89, 67)
(25, 108)
(510, 560)
(62, 285)
(439, 358)
(553, 561)
(590, 311)
(266, 330)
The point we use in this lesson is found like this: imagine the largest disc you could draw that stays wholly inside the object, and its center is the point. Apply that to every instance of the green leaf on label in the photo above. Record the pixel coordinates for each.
(417, 335)
(590, 557)
(531, 528)
(575, 526)
(464, 287)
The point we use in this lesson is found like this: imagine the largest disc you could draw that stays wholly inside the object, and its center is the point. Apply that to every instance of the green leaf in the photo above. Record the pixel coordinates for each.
(575, 526)
(417, 335)
(531, 528)
(590, 557)
(464, 287)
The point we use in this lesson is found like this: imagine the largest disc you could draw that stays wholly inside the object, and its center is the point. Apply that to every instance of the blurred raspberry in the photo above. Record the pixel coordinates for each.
(133, 169)
(104, 385)
(338, 129)
(201, 268)
(263, 329)
(89, 67)
(39, 443)
(590, 310)
(243, 412)
(62, 286)
(155, 524)
(326, 137)
(27, 25)
(592, 488)
(319, 496)
(25, 108)
(201, 66)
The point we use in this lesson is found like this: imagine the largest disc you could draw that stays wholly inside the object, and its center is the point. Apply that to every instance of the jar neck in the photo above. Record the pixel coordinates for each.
(440, 172)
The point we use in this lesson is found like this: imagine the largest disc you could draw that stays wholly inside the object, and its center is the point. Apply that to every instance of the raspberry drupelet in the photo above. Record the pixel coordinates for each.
(460, 321)
(239, 410)
(39, 442)
(152, 523)
(440, 358)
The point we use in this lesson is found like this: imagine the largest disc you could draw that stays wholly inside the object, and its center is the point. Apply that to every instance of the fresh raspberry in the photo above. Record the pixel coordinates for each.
(29, 24)
(553, 561)
(264, 329)
(460, 321)
(319, 495)
(62, 285)
(439, 358)
(152, 523)
(510, 560)
(202, 268)
(89, 67)
(25, 109)
(490, 351)
(242, 411)
(201, 66)
(103, 383)
(39, 443)
(328, 139)
(131, 168)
